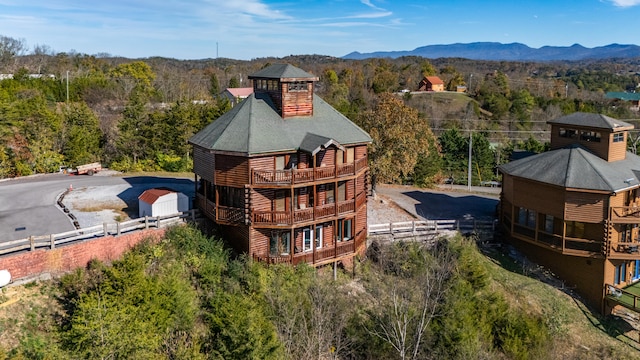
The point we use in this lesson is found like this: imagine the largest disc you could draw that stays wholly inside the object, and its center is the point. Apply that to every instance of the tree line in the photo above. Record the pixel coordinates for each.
(134, 115)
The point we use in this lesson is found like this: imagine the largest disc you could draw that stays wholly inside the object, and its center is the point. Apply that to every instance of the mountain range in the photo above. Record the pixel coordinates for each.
(508, 52)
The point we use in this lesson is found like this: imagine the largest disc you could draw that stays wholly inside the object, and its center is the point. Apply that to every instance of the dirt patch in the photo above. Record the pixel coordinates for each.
(382, 209)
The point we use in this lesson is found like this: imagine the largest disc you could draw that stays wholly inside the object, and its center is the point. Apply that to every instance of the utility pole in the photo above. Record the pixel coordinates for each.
(470, 152)
(67, 85)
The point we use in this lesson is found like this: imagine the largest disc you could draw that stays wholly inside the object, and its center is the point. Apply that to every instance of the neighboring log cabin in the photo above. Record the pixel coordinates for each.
(576, 209)
(283, 174)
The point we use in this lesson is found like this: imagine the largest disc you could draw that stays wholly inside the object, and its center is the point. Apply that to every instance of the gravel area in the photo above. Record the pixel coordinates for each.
(96, 205)
(382, 210)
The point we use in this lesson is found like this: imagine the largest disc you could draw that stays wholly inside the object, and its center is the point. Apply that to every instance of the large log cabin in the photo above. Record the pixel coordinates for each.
(283, 174)
(575, 209)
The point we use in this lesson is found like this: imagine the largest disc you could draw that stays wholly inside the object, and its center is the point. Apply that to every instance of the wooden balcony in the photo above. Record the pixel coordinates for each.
(223, 214)
(316, 257)
(300, 216)
(624, 250)
(301, 176)
(625, 214)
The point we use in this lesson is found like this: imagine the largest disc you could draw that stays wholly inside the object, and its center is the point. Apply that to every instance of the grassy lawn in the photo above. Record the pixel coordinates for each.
(580, 331)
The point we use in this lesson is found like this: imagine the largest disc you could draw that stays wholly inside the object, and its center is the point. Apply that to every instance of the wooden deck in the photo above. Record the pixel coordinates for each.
(290, 177)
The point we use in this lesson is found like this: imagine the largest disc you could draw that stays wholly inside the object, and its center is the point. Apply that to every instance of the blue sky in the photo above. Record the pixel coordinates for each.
(247, 29)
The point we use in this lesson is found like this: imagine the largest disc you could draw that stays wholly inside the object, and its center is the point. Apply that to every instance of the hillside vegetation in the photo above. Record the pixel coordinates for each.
(185, 298)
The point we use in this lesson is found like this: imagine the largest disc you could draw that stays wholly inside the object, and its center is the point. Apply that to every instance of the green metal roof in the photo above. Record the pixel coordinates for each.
(593, 121)
(283, 72)
(623, 96)
(255, 127)
(576, 167)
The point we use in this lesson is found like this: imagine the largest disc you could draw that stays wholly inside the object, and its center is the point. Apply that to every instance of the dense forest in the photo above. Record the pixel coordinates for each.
(65, 109)
(185, 298)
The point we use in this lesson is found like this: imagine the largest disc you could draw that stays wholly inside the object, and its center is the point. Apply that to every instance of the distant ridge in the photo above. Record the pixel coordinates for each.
(508, 52)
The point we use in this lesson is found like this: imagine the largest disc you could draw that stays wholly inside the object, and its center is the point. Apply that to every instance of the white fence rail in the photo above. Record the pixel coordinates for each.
(409, 228)
(52, 240)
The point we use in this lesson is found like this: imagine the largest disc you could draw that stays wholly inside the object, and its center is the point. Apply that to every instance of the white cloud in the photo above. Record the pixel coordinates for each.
(370, 15)
(625, 3)
(371, 5)
(250, 7)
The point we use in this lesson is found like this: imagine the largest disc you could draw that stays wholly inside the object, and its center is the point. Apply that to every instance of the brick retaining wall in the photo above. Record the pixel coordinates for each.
(70, 257)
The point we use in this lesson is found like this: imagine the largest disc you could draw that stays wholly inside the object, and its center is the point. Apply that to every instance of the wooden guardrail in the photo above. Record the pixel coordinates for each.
(51, 241)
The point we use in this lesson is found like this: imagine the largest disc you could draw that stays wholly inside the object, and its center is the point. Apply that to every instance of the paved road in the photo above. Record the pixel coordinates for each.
(28, 205)
(454, 203)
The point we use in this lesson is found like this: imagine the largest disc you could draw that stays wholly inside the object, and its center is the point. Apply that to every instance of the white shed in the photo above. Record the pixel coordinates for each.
(161, 202)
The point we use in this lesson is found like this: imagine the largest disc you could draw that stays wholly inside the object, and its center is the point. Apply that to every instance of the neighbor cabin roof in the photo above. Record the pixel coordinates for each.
(591, 120)
(627, 96)
(240, 92)
(283, 72)
(434, 80)
(255, 127)
(576, 167)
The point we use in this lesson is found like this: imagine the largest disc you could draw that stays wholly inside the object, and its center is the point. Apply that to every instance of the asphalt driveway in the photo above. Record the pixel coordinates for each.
(28, 205)
(449, 203)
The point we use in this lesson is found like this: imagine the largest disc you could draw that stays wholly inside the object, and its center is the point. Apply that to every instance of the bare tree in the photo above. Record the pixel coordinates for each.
(408, 297)
(310, 316)
(10, 48)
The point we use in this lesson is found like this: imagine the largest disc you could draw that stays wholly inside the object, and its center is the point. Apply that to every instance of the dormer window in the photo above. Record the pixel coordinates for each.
(298, 86)
(267, 85)
(592, 136)
(568, 133)
(618, 137)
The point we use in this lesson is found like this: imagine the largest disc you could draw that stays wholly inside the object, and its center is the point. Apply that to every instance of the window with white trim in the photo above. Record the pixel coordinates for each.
(307, 234)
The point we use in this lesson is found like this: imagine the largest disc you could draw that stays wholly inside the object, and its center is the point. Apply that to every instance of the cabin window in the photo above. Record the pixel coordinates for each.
(345, 231)
(285, 162)
(591, 136)
(329, 194)
(546, 224)
(620, 274)
(261, 84)
(293, 162)
(297, 86)
(527, 217)
(272, 85)
(318, 236)
(575, 229)
(230, 196)
(280, 243)
(306, 239)
(618, 137)
(568, 133)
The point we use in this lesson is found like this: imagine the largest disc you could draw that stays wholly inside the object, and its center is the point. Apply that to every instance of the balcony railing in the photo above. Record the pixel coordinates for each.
(624, 250)
(299, 176)
(230, 215)
(303, 215)
(318, 256)
(625, 214)
(346, 206)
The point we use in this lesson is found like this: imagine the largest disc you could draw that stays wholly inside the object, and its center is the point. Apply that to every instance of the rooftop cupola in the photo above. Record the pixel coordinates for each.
(290, 89)
(604, 136)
